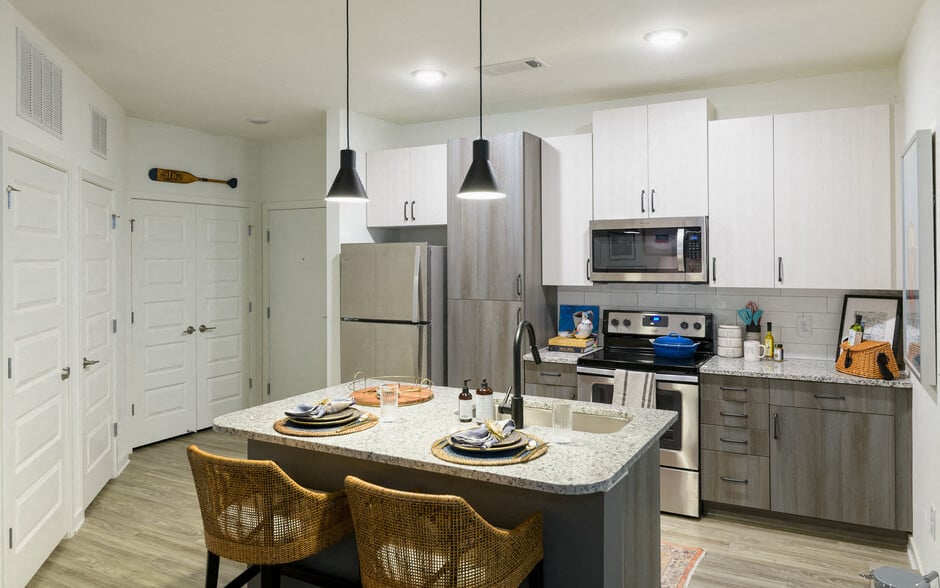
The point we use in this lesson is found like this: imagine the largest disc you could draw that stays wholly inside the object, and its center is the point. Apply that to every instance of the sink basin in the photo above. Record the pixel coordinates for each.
(580, 421)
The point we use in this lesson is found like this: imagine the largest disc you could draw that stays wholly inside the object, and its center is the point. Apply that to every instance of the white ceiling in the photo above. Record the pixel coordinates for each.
(211, 64)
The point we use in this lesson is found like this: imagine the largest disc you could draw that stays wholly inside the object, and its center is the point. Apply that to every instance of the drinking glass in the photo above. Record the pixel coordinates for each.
(561, 421)
(388, 402)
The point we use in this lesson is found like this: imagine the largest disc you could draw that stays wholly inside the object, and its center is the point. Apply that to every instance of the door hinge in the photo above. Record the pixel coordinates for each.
(268, 236)
(269, 312)
(250, 229)
(249, 382)
(114, 218)
(132, 409)
(10, 190)
(115, 429)
(9, 368)
(114, 325)
(269, 388)
(132, 317)
(132, 224)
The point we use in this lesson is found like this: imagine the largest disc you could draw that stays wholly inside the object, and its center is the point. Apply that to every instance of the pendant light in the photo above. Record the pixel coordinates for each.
(480, 183)
(347, 187)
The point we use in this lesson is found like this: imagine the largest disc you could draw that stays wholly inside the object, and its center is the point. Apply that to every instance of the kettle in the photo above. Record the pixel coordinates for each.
(583, 327)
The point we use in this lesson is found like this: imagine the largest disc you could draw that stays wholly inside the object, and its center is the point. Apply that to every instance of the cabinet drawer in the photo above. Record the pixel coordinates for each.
(551, 374)
(827, 396)
(747, 415)
(734, 388)
(566, 392)
(731, 478)
(733, 440)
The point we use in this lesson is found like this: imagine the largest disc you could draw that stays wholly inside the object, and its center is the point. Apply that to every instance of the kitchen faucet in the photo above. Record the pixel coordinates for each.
(516, 388)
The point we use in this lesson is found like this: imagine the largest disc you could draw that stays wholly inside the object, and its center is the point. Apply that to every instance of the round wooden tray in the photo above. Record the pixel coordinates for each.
(407, 394)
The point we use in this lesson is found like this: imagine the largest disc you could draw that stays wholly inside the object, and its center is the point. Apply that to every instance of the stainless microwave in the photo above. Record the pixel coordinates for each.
(650, 250)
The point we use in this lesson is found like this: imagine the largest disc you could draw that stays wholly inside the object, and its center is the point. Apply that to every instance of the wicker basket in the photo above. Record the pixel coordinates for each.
(868, 359)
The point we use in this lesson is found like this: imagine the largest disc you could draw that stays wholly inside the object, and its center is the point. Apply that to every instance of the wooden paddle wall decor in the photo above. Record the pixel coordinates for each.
(158, 174)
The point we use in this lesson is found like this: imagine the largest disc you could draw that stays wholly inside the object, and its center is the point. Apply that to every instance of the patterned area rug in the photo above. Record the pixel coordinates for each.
(678, 563)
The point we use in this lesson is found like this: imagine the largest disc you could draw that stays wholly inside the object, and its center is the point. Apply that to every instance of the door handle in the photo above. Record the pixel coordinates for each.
(776, 427)
(780, 269)
(189, 330)
(519, 284)
(412, 210)
(734, 480)
(652, 200)
(66, 372)
(404, 210)
(741, 415)
(642, 199)
(203, 328)
(714, 273)
(518, 315)
(587, 269)
(88, 362)
(738, 441)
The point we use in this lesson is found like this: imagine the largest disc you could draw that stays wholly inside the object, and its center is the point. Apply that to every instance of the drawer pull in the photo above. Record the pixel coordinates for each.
(733, 388)
(734, 480)
(552, 374)
(733, 414)
(723, 440)
(828, 397)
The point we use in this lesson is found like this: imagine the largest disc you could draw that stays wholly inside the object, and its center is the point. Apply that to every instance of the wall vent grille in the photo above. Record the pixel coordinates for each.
(99, 134)
(509, 67)
(39, 87)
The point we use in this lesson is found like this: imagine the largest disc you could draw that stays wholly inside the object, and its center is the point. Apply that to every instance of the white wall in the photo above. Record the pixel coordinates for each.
(919, 74)
(293, 169)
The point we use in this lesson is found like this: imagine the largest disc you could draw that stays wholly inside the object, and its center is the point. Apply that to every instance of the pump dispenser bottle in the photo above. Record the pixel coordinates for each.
(465, 404)
(485, 410)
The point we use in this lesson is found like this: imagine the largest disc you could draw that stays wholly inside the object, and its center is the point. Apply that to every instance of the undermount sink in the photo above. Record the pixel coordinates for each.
(580, 421)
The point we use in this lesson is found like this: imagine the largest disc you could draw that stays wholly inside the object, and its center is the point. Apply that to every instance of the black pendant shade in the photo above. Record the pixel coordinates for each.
(347, 187)
(480, 183)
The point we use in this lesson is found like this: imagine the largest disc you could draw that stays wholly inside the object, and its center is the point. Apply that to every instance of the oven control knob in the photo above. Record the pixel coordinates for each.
(697, 326)
(615, 322)
(684, 325)
(626, 322)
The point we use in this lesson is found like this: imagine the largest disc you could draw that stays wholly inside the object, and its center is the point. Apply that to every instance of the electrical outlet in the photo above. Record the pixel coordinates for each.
(933, 522)
(804, 326)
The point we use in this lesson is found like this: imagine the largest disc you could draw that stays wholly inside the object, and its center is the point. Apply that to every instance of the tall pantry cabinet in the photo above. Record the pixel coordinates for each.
(494, 261)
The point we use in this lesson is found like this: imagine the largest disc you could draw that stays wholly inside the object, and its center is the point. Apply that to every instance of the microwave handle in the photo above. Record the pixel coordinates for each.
(680, 250)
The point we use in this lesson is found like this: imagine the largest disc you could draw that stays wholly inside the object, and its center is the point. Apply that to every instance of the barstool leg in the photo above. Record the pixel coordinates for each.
(212, 570)
(270, 576)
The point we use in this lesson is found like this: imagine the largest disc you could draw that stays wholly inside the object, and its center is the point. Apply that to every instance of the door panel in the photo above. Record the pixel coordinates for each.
(378, 281)
(620, 163)
(97, 298)
(35, 338)
(484, 346)
(164, 307)
(297, 297)
(222, 309)
(381, 349)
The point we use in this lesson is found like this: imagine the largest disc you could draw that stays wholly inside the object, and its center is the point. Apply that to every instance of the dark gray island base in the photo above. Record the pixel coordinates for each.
(599, 495)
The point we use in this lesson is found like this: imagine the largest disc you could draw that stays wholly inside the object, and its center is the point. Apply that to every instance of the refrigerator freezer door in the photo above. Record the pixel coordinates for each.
(384, 281)
(383, 349)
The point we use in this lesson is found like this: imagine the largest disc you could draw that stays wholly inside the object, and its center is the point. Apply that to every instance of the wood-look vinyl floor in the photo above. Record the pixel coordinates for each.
(144, 529)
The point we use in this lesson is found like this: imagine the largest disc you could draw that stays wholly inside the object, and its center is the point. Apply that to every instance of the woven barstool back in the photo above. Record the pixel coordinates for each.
(415, 540)
(254, 513)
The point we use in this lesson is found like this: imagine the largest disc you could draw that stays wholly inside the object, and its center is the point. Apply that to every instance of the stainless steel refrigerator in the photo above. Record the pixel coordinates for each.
(393, 310)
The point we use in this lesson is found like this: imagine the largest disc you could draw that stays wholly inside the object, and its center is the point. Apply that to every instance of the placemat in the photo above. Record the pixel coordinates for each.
(285, 427)
(407, 394)
(443, 451)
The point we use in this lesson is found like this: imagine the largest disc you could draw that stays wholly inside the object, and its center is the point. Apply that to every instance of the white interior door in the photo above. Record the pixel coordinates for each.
(222, 281)
(297, 298)
(35, 343)
(164, 310)
(97, 380)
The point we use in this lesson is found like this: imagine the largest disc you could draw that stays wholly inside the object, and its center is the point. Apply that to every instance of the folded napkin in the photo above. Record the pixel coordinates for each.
(324, 407)
(486, 435)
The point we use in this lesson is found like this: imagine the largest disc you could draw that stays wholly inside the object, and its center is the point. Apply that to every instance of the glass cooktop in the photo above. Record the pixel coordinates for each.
(642, 360)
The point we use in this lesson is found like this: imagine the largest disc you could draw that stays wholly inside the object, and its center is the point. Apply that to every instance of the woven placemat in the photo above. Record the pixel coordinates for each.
(407, 394)
(286, 427)
(444, 451)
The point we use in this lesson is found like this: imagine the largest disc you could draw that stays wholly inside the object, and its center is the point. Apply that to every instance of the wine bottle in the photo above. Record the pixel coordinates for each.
(856, 331)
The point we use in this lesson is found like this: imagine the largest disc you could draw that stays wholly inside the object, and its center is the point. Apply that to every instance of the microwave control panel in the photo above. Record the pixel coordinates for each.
(693, 251)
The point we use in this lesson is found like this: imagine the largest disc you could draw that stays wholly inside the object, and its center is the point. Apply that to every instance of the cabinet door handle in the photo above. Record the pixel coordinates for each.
(518, 315)
(733, 388)
(642, 200)
(780, 269)
(742, 415)
(714, 273)
(776, 427)
(404, 210)
(587, 269)
(827, 397)
(519, 284)
(551, 374)
(739, 442)
(412, 210)
(652, 200)
(734, 480)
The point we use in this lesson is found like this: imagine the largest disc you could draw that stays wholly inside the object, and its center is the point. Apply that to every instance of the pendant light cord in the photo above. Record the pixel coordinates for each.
(347, 76)
(481, 68)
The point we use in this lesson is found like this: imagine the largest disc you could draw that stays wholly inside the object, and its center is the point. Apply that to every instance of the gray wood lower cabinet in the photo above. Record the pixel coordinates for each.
(554, 380)
(480, 337)
(837, 452)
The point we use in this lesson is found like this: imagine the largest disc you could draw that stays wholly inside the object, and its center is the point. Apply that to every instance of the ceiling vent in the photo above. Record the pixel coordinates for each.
(99, 134)
(39, 87)
(509, 67)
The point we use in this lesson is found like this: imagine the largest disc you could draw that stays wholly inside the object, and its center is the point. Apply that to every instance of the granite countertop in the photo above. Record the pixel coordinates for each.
(547, 356)
(589, 463)
(812, 370)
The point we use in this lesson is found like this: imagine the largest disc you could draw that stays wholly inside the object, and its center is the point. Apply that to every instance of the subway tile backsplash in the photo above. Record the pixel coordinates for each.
(781, 307)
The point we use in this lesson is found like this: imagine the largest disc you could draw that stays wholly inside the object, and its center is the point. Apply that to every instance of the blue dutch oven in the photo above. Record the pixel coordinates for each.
(674, 346)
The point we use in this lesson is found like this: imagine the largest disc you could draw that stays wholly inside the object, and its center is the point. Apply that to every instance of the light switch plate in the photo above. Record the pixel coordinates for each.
(804, 326)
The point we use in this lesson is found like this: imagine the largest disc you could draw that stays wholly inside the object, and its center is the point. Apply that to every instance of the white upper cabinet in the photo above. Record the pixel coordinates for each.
(407, 187)
(741, 202)
(833, 199)
(566, 210)
(651, 161)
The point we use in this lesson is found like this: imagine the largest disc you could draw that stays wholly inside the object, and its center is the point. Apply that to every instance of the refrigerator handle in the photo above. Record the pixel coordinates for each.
(415, 288)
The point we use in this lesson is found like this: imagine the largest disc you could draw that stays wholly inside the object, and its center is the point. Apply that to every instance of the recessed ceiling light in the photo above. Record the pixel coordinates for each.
(428, 76)
(666, 37)
(257, 120)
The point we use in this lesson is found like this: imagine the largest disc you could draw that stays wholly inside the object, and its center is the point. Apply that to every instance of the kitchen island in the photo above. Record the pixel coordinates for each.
(599, 494)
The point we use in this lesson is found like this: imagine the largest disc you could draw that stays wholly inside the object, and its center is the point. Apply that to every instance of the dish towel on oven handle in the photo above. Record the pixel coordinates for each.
(634, 389)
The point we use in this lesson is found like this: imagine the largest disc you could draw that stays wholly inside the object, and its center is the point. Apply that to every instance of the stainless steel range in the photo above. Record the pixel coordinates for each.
(628, 336)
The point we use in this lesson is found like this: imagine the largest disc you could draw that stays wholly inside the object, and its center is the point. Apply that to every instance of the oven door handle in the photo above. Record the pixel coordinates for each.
(590, 371)
(678, 378)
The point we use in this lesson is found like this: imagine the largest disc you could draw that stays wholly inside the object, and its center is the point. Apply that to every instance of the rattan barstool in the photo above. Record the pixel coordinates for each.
(255, 514)
(410, 540)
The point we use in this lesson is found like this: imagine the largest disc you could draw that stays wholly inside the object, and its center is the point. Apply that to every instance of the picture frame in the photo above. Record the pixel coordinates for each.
(882, 317)
(918, 260)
